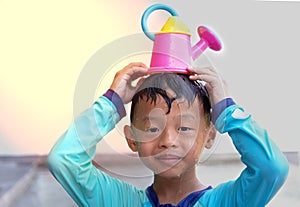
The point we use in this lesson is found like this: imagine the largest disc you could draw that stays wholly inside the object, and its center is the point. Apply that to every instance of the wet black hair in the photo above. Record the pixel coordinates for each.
(180, 84)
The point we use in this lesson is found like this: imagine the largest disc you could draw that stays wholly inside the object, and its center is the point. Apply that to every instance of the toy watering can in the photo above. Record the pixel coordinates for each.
(172, 50)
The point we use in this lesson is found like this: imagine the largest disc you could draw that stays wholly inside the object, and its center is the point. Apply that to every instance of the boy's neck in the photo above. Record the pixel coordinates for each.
(174, 189)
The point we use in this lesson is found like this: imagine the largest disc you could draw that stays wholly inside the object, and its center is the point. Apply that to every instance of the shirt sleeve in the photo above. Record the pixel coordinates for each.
(266, 166)
(70, 160)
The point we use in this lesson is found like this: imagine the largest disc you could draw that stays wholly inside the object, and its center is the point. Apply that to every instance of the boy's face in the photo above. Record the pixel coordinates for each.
(169, 144)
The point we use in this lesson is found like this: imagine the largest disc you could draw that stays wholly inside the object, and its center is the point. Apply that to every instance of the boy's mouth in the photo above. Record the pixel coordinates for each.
(169, 159)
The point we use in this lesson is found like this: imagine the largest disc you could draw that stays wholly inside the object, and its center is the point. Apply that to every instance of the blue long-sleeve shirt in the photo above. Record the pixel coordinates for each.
(70, 160)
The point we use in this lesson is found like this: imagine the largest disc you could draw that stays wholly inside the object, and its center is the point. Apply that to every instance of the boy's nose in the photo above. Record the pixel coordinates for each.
(168, 138)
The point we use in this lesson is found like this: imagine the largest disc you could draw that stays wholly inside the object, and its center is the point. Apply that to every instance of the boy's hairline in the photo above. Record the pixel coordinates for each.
(161, 85)
(149, 99)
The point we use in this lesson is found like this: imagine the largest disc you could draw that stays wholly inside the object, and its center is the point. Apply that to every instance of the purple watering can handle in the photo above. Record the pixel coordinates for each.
(148, 12)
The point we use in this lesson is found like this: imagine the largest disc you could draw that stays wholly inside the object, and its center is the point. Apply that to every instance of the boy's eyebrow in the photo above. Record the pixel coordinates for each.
(181, 116)
(186, 116)
(152, 118)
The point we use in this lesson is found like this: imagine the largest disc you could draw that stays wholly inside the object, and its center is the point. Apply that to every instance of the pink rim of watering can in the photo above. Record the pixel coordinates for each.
(172, 50)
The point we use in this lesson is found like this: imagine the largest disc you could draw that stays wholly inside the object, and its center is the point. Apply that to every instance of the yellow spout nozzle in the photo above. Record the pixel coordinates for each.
(175, 25)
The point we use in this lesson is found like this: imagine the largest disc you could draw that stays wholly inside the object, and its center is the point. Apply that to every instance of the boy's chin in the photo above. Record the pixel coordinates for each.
(169, 173)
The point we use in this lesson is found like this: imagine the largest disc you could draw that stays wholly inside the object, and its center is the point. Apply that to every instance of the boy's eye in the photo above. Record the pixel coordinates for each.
(152, 130)
(184, 129)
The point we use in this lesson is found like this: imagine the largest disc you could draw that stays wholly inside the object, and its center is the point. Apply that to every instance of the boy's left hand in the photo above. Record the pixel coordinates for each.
(215, 84)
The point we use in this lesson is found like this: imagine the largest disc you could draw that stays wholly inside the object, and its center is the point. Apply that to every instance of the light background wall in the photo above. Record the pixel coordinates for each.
(45, 45)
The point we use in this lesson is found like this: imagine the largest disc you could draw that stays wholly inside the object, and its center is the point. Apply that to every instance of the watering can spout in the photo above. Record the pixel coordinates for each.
(208, 39)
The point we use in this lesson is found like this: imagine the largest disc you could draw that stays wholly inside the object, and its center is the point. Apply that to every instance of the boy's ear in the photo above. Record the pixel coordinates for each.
(211, 137)
(130, 138)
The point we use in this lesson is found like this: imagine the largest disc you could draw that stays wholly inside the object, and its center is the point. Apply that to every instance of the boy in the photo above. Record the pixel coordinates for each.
(170, 126)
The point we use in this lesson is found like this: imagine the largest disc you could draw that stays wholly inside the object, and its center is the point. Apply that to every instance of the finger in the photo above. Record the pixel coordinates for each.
(140, 82)
(202, 77)
(132, 68)
(207, 77)
(205, 70)
(140, 64)
(138, 72)
(194, 77)
(196, 70)
(137, 64)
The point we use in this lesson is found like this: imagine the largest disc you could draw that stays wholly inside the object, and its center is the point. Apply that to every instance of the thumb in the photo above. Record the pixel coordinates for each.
(139, 83)
(210, 92)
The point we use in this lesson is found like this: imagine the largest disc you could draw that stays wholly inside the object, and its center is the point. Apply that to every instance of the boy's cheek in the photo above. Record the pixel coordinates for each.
(144, 150)
(187, 139)
(146, 137)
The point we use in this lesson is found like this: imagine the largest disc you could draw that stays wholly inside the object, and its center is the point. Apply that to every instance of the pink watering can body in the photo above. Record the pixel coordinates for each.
(172, 50)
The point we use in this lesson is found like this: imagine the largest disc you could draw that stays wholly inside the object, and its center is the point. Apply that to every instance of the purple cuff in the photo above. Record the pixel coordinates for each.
(117, 101)
(219, 108)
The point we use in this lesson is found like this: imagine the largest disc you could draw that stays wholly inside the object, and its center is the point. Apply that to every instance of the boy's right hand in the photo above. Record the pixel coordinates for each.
(122, 83)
